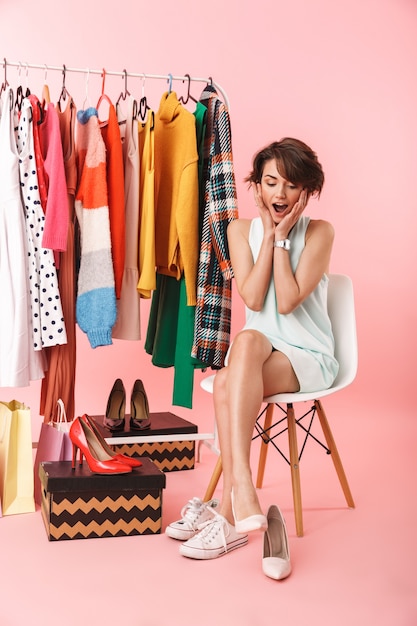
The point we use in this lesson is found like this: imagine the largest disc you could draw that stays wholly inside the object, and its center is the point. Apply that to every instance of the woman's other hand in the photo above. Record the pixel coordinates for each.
(283, 228)
(264, 213)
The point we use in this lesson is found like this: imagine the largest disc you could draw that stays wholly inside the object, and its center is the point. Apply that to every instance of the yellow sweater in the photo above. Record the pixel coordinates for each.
(147, 275)
(176, 193)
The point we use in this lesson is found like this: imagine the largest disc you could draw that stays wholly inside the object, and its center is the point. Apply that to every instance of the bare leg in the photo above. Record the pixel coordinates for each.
(253, 370)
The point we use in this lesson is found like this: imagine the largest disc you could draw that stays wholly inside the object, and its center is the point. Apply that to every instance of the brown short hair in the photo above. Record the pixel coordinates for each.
(295, 161)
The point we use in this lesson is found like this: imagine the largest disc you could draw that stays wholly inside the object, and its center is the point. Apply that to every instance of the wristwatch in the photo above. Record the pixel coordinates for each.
(283, 243)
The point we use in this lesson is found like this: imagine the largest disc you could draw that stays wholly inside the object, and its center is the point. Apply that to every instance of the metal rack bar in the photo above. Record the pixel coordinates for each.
(123, 73)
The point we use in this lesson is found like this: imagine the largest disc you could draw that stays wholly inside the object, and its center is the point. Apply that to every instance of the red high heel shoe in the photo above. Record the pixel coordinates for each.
(123, 458)
(99, 462)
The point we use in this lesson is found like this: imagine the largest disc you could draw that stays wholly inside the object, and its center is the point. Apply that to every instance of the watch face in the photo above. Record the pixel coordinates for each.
(283, 243)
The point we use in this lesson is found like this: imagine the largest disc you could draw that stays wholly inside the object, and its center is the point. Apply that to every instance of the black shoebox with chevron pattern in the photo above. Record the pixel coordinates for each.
(167, 455)
(77, 504)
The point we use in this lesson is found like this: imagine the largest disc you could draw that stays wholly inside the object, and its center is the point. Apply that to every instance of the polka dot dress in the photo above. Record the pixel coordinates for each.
(48, 320)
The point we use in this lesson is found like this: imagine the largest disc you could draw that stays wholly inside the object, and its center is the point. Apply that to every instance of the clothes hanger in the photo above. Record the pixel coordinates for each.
(20, 93)
(169, 83)
(123, 94)
(64, 91)
(5, 83)
(143, 108)
(103, 97)
(143, 112)
(87, 98)
(188, 96)
(46, 98)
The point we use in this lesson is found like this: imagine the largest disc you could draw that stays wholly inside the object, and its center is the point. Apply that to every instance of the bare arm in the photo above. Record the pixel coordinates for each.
(293, 289)
(252, 279)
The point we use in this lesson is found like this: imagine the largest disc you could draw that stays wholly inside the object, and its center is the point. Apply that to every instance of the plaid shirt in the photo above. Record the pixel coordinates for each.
(214, 276)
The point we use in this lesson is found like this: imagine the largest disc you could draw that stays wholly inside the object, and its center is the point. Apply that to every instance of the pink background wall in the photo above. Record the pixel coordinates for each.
(339, 75)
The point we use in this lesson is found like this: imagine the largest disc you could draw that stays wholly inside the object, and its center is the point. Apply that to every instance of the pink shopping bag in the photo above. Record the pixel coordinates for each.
(54, 445)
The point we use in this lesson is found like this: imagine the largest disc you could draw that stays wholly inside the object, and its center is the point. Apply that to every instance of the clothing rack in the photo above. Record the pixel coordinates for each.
(104, 72)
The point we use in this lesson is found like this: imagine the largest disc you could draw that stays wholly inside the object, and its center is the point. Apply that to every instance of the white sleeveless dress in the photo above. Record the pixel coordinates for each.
(305, 335)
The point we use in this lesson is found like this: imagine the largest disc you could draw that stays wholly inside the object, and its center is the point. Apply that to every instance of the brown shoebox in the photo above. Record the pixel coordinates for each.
(77, 504)
(167, 455)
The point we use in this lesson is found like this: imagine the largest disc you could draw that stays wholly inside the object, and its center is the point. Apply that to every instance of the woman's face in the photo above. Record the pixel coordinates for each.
(278, 194)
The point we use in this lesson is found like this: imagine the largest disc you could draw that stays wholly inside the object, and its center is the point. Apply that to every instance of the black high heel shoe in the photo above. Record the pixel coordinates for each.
(114, 419)
(139, 408)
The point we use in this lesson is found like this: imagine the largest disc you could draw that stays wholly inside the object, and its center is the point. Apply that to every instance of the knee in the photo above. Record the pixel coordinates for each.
(249, 344)
(220, 382)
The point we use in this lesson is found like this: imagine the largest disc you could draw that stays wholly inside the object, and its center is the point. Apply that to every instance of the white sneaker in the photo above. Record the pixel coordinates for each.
(194, 513)
(215, 538)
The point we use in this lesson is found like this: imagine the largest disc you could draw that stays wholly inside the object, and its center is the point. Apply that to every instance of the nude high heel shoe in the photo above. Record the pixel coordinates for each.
(248, 524)
(276, 553)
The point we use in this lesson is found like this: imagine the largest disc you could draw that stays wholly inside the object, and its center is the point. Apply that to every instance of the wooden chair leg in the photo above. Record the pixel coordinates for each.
(264, 446)
(334, 454)
(295, 470)
(215, 477)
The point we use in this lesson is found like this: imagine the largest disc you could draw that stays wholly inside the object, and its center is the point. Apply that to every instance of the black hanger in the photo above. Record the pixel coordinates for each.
(143, 109)
(188, 96)
(4, 84)
(143, 112)
(64, 91)
(20, 94)
(41, 113)
(123, 94)
(19, 97)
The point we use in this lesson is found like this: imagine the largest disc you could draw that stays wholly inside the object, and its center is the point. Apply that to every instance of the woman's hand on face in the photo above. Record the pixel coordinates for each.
(264, 213)
(283, 228)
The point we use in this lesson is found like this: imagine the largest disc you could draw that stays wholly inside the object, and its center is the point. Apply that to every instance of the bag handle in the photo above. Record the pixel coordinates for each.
(61, 413)
(62, 423)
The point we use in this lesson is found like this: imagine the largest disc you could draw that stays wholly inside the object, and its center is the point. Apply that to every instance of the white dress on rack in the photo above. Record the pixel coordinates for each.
(19, 363)
(47, 316)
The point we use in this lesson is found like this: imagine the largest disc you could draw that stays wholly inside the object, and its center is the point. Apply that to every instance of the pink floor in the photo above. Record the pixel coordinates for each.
(351, 567)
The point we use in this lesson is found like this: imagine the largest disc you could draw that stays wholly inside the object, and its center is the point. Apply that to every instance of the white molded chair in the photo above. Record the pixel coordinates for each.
(342, 314)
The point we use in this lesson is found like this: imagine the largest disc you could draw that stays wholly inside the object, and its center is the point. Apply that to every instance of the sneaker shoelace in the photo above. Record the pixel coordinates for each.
(191, 512)
(209, 530)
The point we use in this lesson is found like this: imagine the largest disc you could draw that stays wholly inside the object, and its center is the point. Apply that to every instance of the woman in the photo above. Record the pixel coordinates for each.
(280, 262)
